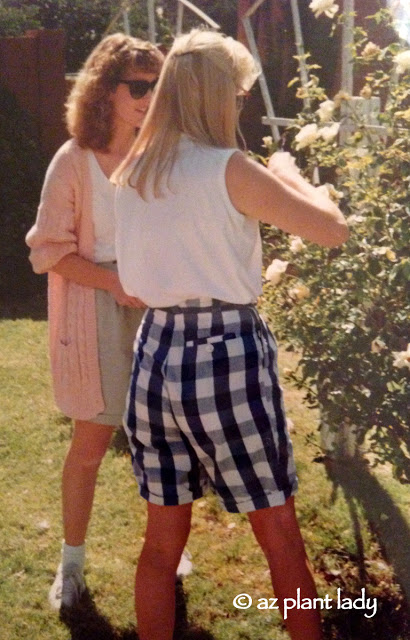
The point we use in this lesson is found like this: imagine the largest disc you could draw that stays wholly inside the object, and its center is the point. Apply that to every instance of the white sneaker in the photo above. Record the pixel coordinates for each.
(67, 588)
(185, 565)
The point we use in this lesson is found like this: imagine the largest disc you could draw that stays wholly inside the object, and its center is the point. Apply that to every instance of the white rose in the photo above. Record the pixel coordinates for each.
(371, 50)
(402, 61)
(267, 141)
(402, 358)
(354, 219)
(299, 291)
(377, 345)
(275, 270)
(296, 244)
(328, 7)
(326, 110)
(328, 133)
(328, 190)
(366, 92)
(334, 194)
(385, 251)
(308, 134)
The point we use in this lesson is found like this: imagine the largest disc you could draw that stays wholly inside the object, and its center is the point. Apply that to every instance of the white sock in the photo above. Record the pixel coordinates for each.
(74, 555)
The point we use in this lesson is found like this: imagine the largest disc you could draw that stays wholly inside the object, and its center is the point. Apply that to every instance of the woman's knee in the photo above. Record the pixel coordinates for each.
(161, 555)
(159, 545)
(277, 529)
(89, 444)
(85, 458)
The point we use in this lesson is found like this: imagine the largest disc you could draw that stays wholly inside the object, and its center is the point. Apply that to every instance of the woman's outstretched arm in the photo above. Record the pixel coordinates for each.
(278, 195)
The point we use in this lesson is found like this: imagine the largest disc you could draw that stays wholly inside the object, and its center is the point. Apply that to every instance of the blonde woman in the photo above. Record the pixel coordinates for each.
(204, 402)
(92, 321)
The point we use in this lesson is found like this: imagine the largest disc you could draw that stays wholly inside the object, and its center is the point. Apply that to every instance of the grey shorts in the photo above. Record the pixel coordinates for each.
(116, 329)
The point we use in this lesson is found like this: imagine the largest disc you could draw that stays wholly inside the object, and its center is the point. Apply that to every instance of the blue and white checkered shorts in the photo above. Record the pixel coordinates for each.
(204, 404)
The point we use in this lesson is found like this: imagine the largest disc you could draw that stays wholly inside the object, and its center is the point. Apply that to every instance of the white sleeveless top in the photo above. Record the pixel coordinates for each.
(191, 242)
(103, 212)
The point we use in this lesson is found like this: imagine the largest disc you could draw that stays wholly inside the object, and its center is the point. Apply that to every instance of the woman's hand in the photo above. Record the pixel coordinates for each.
(82, 271)
(122, 298)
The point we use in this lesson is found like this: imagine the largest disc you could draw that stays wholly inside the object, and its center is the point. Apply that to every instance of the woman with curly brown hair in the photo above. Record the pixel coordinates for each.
(92, 321)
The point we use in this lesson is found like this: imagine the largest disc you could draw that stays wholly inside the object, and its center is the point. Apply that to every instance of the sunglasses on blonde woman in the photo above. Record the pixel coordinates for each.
(139, 88)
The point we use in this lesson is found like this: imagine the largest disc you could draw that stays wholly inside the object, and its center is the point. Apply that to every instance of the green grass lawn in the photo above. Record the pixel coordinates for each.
(334, 504)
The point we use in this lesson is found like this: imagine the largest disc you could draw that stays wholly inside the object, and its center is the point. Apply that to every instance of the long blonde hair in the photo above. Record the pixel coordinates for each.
(196, 95)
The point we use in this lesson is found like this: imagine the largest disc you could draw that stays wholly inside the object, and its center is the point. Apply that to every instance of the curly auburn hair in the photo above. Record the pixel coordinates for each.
(89, 111)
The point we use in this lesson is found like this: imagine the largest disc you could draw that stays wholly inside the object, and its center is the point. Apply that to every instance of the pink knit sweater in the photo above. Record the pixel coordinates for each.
(64, 225)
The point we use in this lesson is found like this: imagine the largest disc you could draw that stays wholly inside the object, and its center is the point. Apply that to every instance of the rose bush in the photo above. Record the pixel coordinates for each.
(346, 311)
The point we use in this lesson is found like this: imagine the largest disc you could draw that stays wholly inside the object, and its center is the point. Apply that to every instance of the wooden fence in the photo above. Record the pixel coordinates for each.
(32, 68)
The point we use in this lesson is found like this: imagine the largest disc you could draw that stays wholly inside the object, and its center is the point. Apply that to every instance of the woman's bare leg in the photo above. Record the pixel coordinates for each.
(89, 444)
(166, 535)
(277, 531)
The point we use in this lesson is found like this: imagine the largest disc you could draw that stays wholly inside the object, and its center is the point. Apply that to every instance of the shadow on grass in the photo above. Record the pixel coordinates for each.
(86, 623)
(119, 442)
(392, 620)
(385, 518)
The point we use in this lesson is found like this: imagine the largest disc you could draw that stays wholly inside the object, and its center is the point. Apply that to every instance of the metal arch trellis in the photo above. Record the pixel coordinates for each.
(246, 21)
(192, 7)
(370, 107)
(182, 4)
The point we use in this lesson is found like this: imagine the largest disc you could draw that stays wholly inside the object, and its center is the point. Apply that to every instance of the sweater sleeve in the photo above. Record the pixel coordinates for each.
(54, 233)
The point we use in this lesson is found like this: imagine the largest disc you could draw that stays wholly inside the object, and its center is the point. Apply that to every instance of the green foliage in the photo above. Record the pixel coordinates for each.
(85, 22)
(347, 310)
(14, 20)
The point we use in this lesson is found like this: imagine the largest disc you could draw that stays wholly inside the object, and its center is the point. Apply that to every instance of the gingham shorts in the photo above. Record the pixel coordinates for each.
(205, 406)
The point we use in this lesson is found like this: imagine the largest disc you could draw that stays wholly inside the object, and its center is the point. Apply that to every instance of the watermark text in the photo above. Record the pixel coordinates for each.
(361, 603)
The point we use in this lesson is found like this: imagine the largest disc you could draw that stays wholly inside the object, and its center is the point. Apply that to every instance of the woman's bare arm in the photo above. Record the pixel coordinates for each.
(281, 197)
(82, 271)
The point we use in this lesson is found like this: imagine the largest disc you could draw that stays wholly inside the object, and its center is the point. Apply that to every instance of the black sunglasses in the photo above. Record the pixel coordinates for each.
(139, 88)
